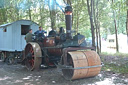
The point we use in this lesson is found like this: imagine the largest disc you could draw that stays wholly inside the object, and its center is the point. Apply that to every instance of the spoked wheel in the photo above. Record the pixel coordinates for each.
(10, 60)
(3, 57)
(33, 55)
(29, 54)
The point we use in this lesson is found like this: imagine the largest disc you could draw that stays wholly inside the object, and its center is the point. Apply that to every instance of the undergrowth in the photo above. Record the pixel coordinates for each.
(114, 65)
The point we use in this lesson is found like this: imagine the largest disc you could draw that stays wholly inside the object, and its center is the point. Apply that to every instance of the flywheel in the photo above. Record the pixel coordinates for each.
(33, 56)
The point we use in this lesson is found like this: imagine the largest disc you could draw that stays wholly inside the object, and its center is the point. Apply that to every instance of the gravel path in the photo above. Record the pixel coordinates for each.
(19, 75)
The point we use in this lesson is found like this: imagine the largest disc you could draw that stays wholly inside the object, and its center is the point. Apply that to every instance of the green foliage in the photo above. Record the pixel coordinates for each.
(38, 11)
(86, 32)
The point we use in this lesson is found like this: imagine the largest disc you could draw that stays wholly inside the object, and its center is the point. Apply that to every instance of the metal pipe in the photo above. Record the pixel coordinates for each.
(70, 67)
(68, 19)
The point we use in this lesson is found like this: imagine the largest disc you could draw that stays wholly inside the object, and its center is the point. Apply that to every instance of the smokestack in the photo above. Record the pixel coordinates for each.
(68, 18)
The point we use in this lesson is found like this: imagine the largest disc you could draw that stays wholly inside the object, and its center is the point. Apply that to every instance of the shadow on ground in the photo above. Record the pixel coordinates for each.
(19, 75)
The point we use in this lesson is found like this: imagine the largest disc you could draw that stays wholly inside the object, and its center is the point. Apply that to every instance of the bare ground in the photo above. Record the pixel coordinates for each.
(19, 75)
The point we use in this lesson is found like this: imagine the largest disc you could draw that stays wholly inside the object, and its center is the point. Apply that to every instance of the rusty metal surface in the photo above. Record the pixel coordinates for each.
(37, 49)
(36, 54)
(93, 59)
(66, 50)
(87, 62)
(49, 42)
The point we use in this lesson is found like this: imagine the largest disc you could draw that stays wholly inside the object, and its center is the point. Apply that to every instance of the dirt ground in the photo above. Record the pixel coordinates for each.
(19, 75)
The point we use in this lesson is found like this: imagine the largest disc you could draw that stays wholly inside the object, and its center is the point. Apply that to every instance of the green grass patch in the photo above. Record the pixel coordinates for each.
(115, 68)
(114, 54)
(115, 62)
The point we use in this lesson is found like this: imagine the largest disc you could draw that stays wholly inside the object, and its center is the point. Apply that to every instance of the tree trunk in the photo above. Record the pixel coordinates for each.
(98, 28)
(117, 48)
(77, 21)
(41, 17)
(99, 39)
(67, 2)
(53, 19)
(96, 25)
(127, 22)
(42, 21)
(52, 14)
(90, 12)
(116, 34)
(127, 26)
(29, 13)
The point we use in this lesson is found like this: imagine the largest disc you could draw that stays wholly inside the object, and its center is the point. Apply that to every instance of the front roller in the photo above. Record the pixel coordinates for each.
(81, 64)
(33, 56)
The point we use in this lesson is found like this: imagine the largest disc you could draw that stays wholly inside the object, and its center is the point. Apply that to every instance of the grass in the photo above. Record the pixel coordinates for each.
(119, 67)
(114, 54)
(115, 68)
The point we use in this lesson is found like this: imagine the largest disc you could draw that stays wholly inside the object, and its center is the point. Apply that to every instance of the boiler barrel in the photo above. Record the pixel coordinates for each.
(84, 63)
(50, 42)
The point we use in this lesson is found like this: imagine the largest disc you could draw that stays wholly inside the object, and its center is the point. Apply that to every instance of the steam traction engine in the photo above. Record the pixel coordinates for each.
(65, 51)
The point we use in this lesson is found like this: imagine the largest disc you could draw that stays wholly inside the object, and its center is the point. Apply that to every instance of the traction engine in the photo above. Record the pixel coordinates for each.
(65, 51)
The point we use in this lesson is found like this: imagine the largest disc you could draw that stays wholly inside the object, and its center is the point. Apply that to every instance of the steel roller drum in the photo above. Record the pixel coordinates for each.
(84, 63)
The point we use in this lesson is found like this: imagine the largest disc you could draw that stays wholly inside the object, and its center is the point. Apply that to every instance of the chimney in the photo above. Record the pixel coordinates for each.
(68, 18)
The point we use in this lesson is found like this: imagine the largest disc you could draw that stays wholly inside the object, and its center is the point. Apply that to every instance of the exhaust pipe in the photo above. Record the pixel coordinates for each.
(68, 18)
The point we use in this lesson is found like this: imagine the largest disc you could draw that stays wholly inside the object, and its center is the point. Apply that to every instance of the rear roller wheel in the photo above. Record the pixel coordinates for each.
(33, 55)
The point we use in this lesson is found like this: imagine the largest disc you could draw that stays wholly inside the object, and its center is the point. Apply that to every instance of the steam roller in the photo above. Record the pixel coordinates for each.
(65, 51)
